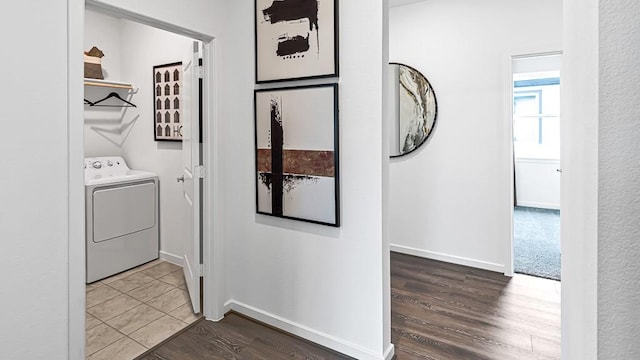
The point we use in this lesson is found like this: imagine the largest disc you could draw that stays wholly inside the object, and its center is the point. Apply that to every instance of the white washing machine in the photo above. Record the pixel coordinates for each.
(122, 227)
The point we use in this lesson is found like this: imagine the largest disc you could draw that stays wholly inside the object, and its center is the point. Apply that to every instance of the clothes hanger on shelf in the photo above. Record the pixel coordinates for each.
(114, 95)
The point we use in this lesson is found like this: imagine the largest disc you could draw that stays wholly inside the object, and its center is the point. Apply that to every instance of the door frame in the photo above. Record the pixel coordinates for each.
(213, 299)
(508, 108)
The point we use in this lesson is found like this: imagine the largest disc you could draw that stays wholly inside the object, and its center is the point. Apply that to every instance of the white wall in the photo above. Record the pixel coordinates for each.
(142, 48)
(323, 283)
(402, 2)
(451, 199)
(103, 133)
(34, 222)
(103, 31)
(131, 50)
(618, 187)
(579, 182)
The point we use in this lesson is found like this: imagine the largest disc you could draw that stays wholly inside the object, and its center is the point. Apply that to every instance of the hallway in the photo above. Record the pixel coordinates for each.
(439, 311)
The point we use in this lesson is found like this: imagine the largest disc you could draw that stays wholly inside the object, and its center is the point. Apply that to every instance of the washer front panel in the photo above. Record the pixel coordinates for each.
(123, 210)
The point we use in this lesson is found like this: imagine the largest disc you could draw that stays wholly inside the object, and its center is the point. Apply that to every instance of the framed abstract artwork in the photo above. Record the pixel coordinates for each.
(296, 39)
(297, 172)
(167, 102)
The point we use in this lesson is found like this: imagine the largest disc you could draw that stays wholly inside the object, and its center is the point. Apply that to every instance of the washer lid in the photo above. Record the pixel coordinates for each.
(119, 176)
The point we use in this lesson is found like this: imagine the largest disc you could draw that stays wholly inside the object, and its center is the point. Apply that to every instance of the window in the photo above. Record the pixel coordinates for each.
(167, 117)
(176, 103)
(158, 117)
(527, 107)
(158, 77)
(176, 89)
(167, 77)
(176, 75)
(167, 89)
(158, 91)
(158, 105)
(536, 115)
(167, 104)
(176, 117)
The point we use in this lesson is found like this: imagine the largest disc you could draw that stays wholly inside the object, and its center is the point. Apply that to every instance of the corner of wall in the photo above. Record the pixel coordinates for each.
(579, 187)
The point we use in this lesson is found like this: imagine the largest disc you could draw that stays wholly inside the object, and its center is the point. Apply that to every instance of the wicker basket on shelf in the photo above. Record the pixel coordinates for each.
(93, 64)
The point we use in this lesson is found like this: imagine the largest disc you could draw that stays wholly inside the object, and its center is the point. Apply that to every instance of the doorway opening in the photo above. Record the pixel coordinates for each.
(536, 83)
(132, 309)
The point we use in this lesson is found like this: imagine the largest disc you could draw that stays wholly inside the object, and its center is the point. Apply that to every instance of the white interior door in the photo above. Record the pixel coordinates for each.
(191, 173)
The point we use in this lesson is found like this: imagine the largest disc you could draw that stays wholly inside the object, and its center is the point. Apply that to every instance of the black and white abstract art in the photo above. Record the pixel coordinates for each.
(167, 102)
(297, 153)
(413, 102)
(295, 39)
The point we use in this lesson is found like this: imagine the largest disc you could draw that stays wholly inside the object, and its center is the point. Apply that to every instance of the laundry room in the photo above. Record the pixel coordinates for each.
(134, 179)
(131, 50)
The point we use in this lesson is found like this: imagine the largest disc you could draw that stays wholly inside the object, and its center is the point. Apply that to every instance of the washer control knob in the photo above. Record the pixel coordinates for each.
(97, 165)
(109, 163)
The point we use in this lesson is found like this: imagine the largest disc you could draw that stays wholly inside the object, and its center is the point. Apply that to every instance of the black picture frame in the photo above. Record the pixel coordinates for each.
(167, 105)
(300, 182)
(283, 53)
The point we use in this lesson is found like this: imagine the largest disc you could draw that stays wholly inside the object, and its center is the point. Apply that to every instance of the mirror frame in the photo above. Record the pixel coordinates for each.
(435, 115)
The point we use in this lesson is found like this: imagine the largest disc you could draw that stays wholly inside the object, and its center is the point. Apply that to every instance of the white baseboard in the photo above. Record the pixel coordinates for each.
(390, 353)
(174, 259)
(539, 205)
(448, 258)
(308, 333)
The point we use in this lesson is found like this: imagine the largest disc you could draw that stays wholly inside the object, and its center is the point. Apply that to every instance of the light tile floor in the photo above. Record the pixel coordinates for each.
(133, 311)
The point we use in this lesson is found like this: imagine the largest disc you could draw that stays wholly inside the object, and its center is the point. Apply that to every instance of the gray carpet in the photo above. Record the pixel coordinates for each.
(536, 242)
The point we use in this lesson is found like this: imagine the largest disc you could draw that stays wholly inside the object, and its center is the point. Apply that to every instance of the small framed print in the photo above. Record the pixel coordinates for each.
(297, 172)
(296, 39)
(167, 102)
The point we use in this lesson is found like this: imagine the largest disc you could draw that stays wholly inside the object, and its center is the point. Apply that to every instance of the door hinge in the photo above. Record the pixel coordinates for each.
(199, 172)
(199, 72)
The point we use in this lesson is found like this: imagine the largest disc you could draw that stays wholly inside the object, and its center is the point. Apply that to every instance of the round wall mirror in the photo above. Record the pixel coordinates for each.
(413, 109)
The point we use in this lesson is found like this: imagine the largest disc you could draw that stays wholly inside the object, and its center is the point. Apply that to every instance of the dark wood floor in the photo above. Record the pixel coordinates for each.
(439, 311)
(236, 337)
(443, 311)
